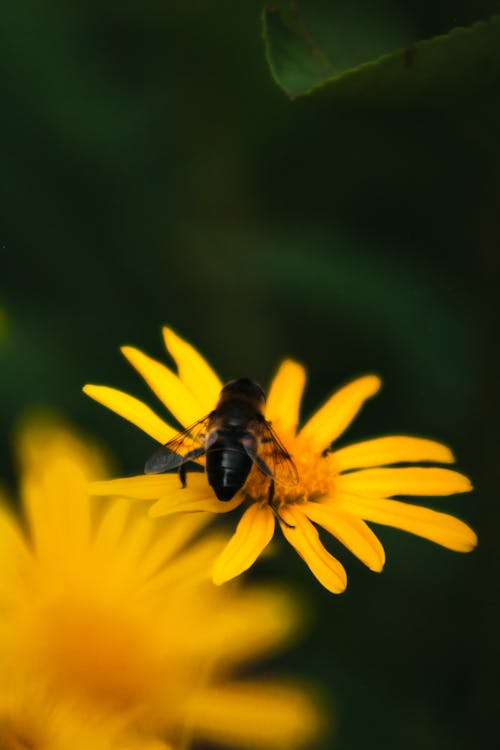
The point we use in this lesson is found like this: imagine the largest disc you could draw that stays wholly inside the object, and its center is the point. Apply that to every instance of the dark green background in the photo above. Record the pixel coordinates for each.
(152, 172)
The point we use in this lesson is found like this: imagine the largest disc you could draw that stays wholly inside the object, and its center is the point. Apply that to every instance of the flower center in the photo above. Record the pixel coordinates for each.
(316, 477)
(100, 652)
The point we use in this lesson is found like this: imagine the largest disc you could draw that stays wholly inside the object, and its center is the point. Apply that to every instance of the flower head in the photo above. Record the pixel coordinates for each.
(111, 633)
(338, 489)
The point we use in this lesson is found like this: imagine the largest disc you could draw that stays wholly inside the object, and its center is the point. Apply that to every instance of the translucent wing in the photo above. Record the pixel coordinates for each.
(187, 445)
(276, 459)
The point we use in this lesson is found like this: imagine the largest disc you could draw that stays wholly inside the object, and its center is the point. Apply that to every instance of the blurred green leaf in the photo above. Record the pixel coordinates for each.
(344, 57)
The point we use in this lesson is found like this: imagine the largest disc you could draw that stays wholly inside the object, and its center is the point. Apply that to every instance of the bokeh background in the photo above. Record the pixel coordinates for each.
(153, 173)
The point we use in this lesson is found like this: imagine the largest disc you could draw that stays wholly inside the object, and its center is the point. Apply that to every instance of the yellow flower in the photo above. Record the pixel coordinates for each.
(33, 717)
(112, 635)
(338, 489)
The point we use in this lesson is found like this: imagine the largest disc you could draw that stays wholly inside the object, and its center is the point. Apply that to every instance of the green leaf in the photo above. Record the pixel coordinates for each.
(345, 59)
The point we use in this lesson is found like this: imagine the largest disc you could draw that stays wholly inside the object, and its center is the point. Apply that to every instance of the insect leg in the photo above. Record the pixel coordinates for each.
(261, 464)
(272, 505)
(270, 493)
(196, 453)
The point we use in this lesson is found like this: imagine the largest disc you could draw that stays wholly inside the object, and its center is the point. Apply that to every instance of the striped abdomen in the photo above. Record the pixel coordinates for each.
(228, 464)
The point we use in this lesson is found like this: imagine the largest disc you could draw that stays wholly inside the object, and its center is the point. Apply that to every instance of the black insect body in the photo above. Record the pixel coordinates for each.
(228, 463)
(233, 437)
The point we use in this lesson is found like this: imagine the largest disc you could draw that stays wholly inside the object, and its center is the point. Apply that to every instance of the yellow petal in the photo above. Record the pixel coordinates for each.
(167, 386)
(14, 556)
(142, 487)
(279, 618)
(110, 529)
(57, 467)
(11, 538)
(57, 505)
(305, 539)
(285, 393)
(253, 533)
(209, 503)
(176, 534)
(196, 496)
(255, 716)
(430, 524)
(403, 481)
(133, 548)
(193, 566)
(338, 412)
(135, 541)
(194, 371)
(133, 410)
(391, 450)
(351, 531)
(43, 440)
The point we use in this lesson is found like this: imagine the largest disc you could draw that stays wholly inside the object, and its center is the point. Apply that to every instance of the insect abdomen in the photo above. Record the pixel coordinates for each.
(228, 466)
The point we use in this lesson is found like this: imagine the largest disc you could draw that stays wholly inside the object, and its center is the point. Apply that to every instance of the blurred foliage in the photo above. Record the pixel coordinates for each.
(153, 173)
(322, 48)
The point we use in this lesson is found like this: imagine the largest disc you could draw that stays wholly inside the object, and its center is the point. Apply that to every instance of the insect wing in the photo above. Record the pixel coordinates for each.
(185, 446)
(277, 458)
(163, 460)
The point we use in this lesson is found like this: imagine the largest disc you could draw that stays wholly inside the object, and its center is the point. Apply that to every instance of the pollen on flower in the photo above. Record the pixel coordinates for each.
(316, 478)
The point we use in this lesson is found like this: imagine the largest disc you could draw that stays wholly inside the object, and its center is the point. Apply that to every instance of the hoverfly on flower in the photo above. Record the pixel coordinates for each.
(232, 437)
(314, 482)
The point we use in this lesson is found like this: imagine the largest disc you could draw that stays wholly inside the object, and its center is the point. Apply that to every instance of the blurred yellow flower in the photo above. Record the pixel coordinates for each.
(34, 717)
(338, 490)
(113, 636)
